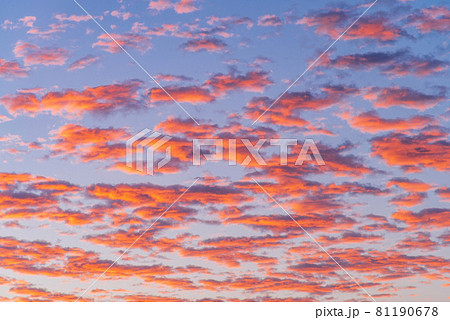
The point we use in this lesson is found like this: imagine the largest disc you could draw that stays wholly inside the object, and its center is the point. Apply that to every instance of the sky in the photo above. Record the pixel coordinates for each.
(370, 224)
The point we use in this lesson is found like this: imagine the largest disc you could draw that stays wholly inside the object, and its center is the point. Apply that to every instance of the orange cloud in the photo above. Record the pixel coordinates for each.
(431, 218)
(89, 144)
(444, 193)
(254, 81)
(374, 28)
(371, 122)
(409, 200)
(176, 126)
(420, 240)
(192, 94)
(409, 185)
(72, 103)
(413, 153)
(287, 110)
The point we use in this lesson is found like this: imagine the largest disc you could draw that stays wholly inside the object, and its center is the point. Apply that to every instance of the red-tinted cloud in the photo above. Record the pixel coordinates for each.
(269, 20)
(420, 240)
(83, 62)
(431, 19)
(396, 64)
(12, 69)
(413, 153)
(409, 185)
(287, 110)
(127, 40)
(377, 28)
(429, 218)
(176, 126)
(444, 193)
(182, 6)
(209, 44)
(172, 77)
(89, 144)
(35, 55)
(255, 81)
(409, 200)
(334, 22)
(192, 94)
(371, 122)
(72, 18)
(401, 96)
(72, 103)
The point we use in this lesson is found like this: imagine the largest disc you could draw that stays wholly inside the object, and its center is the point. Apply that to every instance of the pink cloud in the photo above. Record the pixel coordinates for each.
(12, 69)
(35, 55)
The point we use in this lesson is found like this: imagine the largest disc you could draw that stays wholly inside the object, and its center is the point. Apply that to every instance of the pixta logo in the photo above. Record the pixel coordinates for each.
(142, 146)
(141, 149)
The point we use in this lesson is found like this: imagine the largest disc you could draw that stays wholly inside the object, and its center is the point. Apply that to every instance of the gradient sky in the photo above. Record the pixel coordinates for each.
(375, 104)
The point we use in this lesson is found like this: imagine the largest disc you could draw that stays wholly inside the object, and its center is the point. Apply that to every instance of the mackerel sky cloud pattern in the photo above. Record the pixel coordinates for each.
(376, 106)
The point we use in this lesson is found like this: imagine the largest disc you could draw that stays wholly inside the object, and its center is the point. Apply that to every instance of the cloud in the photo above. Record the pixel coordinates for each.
(149, 198)
(72, 18)
(255, 81)
(399, 63)
(349, 237)
(176, 126)
(413, 152)
(29, 197)
(28, 21)
(269, 20)
(287, 110)
(419, 240)
(429, 218)
(12, 69)
(89, 144)
(186, 6)
(409, 185)
(46, 34)
(207, 44)
(182, 6)
(126, 40)
(121, 14)
(444, 193)
(227, 22)
(72, 103)
(377, 28)
(191, 94)
(430, 19)
(334, 22)
(44, 259)
(27, 293)
(35, 55)
(371, 122)
(409, 200)
(172, 78)
(83, 62)
(403, 97)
